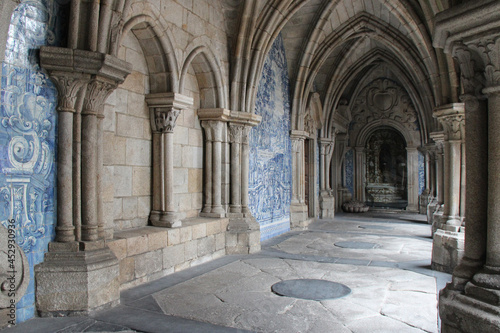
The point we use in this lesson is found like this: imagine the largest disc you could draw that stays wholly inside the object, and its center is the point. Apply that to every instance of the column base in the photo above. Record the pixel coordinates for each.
(464, 272)
(437, 220)
(432, 208)
(447, 250)
(464, 314)
(299, 216)
(243, 236)
(166, 219)
(77, 283)
(327, 205)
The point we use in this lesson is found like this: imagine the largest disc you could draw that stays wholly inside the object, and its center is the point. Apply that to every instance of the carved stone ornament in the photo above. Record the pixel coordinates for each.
(97, 92)
(384, 99)
(472, 80)
(235, 133)
(165, 119)
(452, 118)
(68, 86)
(488, 49)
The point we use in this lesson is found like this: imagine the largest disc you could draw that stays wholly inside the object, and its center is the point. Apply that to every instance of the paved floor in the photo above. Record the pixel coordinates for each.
(384, 258)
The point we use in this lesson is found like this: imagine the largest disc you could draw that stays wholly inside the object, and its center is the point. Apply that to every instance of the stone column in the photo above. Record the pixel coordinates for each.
(68, 85)
(298, 210)
(245, 169)
(207, 170)
(164, 109)
(448, 242)
(235, 137)
(452, 118)
(97, 91)
(438, 138)
(359, 167)
(86, 273)
(412, 183)
(326, 200)
(243, 231)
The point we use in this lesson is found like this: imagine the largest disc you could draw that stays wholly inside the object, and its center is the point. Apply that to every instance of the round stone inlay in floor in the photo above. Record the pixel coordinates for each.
(312, 289)
(357, 245)
(379, 227)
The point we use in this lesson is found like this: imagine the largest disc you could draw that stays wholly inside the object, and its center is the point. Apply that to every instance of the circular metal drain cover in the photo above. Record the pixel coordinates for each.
(312, 289)
(357, 245)
(379, 227)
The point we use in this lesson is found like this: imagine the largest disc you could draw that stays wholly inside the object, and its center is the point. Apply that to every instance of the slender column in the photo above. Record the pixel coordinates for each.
(439, 139)
(77, 164)
(463, 181)
(245, 160)
(360, 172)
(298, 167)
(412, 167)
(235, 134)
(207, 190)
(216, 167)
(453, 120)
(68, 86)
(164, 109)
(427, 171)
(493, 239)
(476, 198)
(100, 212)
(322, 165)
(97, 91)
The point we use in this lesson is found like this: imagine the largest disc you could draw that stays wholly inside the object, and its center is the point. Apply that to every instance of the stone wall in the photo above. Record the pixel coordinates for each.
(127, 146)
(188, 154)
(270, 147)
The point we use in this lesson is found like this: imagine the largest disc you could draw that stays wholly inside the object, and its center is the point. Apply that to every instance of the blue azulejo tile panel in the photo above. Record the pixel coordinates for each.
(270, 182)
(28, 123)
(421, 173)
(349, 170)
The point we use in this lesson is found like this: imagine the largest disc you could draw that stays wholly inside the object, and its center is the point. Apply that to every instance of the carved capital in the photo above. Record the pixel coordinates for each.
(214, 129)
(165, 118)
(245, 135)
(470, 71)
(235, 133)
(98, 89)
(452, 117)
(489, 51)
(68, 85)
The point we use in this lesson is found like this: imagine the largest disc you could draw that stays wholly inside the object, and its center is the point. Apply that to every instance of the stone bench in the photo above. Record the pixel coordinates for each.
(149, 253)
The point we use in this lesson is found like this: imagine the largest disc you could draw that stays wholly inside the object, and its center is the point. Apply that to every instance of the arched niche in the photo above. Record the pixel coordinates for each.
(386, 168)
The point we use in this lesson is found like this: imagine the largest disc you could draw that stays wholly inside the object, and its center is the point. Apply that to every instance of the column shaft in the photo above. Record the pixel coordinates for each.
(245, 160)
(235, 177)
(65, 228)
(169, 171)
(207, 208)
(493, 234)
(452, 201)
(89, 176)
(99, 175)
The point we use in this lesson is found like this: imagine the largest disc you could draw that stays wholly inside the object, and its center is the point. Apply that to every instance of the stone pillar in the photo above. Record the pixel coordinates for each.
(79, 277)
(68, 85)
(470, 32)
(97, 91)
(326, 200)
(412, 183)
(217, 131)
(235, 136)
(299, 216)
(438, 138)
(448, 241)
(164, 109)
(359, 178)
(452, 118)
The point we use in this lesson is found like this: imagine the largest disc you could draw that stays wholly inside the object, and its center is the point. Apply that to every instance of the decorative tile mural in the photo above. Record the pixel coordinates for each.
(28, 135)
(349, 170)
(270, 183)
(421, 173)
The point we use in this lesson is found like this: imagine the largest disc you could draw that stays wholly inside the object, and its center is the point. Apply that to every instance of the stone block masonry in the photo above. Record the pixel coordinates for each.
(148, 253)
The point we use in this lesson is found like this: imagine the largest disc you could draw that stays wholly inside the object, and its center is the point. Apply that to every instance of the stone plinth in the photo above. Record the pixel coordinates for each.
(299, 217)
(461, 313)
(447, 250)
(77, 283)
(243, 236)
(327, 205)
